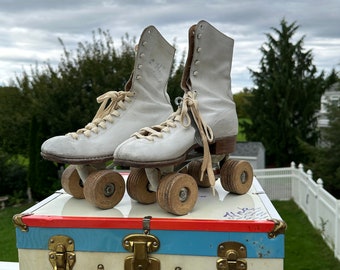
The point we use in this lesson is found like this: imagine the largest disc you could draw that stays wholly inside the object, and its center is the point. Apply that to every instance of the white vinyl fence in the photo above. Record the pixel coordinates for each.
(322, 209)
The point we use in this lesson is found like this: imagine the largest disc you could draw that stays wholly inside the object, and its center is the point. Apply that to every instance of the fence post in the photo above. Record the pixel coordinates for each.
(301, 177)
(309, 194)
(337, 229)
(301, 167)
(320, 182)
(294, 182)
(310, 175)
(317, 210)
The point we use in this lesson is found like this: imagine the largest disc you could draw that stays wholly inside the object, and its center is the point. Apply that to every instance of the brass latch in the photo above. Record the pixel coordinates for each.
(141, 245)
(61, 255)
(232, 256)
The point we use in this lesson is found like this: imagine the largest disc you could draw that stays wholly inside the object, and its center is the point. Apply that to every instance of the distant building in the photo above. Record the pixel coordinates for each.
(331, 96)
(253, 152)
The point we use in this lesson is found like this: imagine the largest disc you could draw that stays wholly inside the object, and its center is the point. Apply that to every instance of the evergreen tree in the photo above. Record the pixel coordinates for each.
(285, 97)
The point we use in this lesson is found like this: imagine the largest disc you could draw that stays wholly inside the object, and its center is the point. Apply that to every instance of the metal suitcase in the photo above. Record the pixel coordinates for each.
(224, 231)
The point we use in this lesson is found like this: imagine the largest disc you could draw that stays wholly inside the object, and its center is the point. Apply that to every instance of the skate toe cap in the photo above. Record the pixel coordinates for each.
(58, 146)
(123, 151)
(134, 150)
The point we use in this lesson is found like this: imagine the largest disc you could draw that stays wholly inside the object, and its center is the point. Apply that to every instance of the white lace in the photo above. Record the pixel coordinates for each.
(106, 112)
(182, 116)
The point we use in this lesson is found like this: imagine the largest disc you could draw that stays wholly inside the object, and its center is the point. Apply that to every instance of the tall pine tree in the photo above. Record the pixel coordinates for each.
(285, 97)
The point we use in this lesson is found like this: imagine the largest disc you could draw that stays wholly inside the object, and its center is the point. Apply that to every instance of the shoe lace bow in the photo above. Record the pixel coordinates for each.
(111, 101)
(188, 104)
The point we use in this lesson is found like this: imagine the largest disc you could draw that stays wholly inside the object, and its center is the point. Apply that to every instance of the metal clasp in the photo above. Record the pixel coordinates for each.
(141, 245)
(61, 255)
(232, 255)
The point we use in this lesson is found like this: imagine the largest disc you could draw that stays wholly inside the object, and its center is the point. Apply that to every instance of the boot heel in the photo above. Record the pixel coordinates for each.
(223, 146)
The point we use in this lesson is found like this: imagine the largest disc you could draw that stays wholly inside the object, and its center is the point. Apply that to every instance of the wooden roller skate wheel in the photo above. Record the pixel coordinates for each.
(236, 176)
(177, 193)
(105, 188)
(194, 169)
(72, 183)
(137, 186)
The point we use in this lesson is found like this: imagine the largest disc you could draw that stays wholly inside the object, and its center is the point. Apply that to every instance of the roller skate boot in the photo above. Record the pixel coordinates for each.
(143, 102)
(192, 146)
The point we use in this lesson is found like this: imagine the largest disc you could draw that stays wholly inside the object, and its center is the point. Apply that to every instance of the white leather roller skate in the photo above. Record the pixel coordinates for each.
(143, 102)
(203, 129)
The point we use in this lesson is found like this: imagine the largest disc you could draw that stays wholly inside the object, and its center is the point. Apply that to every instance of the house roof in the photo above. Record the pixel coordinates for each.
(335, 87)
(248, 149)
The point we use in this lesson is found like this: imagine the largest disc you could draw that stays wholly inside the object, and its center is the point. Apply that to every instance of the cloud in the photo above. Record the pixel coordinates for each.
(29, 30)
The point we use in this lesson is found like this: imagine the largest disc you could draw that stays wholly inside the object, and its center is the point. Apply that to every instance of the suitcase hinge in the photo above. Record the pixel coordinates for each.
(141, 245)
(18, 222)
(279, 228)
(61, 255)
(232, 256)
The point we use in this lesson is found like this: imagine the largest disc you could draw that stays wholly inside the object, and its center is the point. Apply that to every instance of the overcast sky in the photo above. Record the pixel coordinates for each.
(29, 29)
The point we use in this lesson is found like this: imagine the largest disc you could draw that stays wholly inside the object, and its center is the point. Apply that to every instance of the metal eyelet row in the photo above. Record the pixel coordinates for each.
(197, 61)
(141, 56)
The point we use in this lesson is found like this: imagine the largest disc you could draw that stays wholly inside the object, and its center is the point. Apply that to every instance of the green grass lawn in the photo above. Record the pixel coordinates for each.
(304, 246)
(8, 250)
